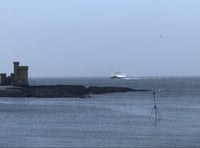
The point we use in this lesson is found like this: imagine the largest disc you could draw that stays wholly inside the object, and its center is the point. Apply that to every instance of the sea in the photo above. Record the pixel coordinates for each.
(106, 120)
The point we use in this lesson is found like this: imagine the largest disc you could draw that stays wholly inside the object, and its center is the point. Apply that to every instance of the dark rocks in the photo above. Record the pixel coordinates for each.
(100, 90)
(60, 91)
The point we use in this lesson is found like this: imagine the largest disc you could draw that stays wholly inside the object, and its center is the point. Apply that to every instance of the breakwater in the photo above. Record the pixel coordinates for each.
(60, 91)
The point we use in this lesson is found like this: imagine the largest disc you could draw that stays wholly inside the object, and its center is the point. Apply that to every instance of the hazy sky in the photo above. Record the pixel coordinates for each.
(98, 37)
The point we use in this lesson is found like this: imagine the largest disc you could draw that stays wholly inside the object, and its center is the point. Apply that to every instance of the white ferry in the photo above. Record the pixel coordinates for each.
(118, 75)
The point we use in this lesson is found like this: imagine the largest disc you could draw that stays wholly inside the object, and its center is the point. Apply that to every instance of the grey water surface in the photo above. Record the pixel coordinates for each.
(109, 120)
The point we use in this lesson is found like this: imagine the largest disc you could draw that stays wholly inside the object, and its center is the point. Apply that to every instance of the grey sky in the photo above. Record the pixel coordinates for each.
(98, 37)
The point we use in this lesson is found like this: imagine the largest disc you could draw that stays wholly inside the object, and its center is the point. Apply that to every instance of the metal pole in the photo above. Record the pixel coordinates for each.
(157, 116)
(154, 100)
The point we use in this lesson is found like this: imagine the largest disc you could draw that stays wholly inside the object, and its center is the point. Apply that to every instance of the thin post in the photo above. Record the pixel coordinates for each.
(157, 115)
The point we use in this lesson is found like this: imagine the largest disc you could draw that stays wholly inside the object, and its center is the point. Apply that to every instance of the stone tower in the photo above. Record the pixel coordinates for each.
(20, 75)
(18, 78)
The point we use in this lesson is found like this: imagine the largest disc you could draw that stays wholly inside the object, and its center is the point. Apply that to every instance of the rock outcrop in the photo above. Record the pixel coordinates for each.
(59, 91)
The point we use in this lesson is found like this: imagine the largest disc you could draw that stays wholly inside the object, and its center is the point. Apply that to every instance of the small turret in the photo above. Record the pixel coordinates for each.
(16, 65)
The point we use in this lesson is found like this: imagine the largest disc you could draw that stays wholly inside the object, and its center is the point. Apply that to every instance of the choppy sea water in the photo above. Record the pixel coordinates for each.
(109, 120)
